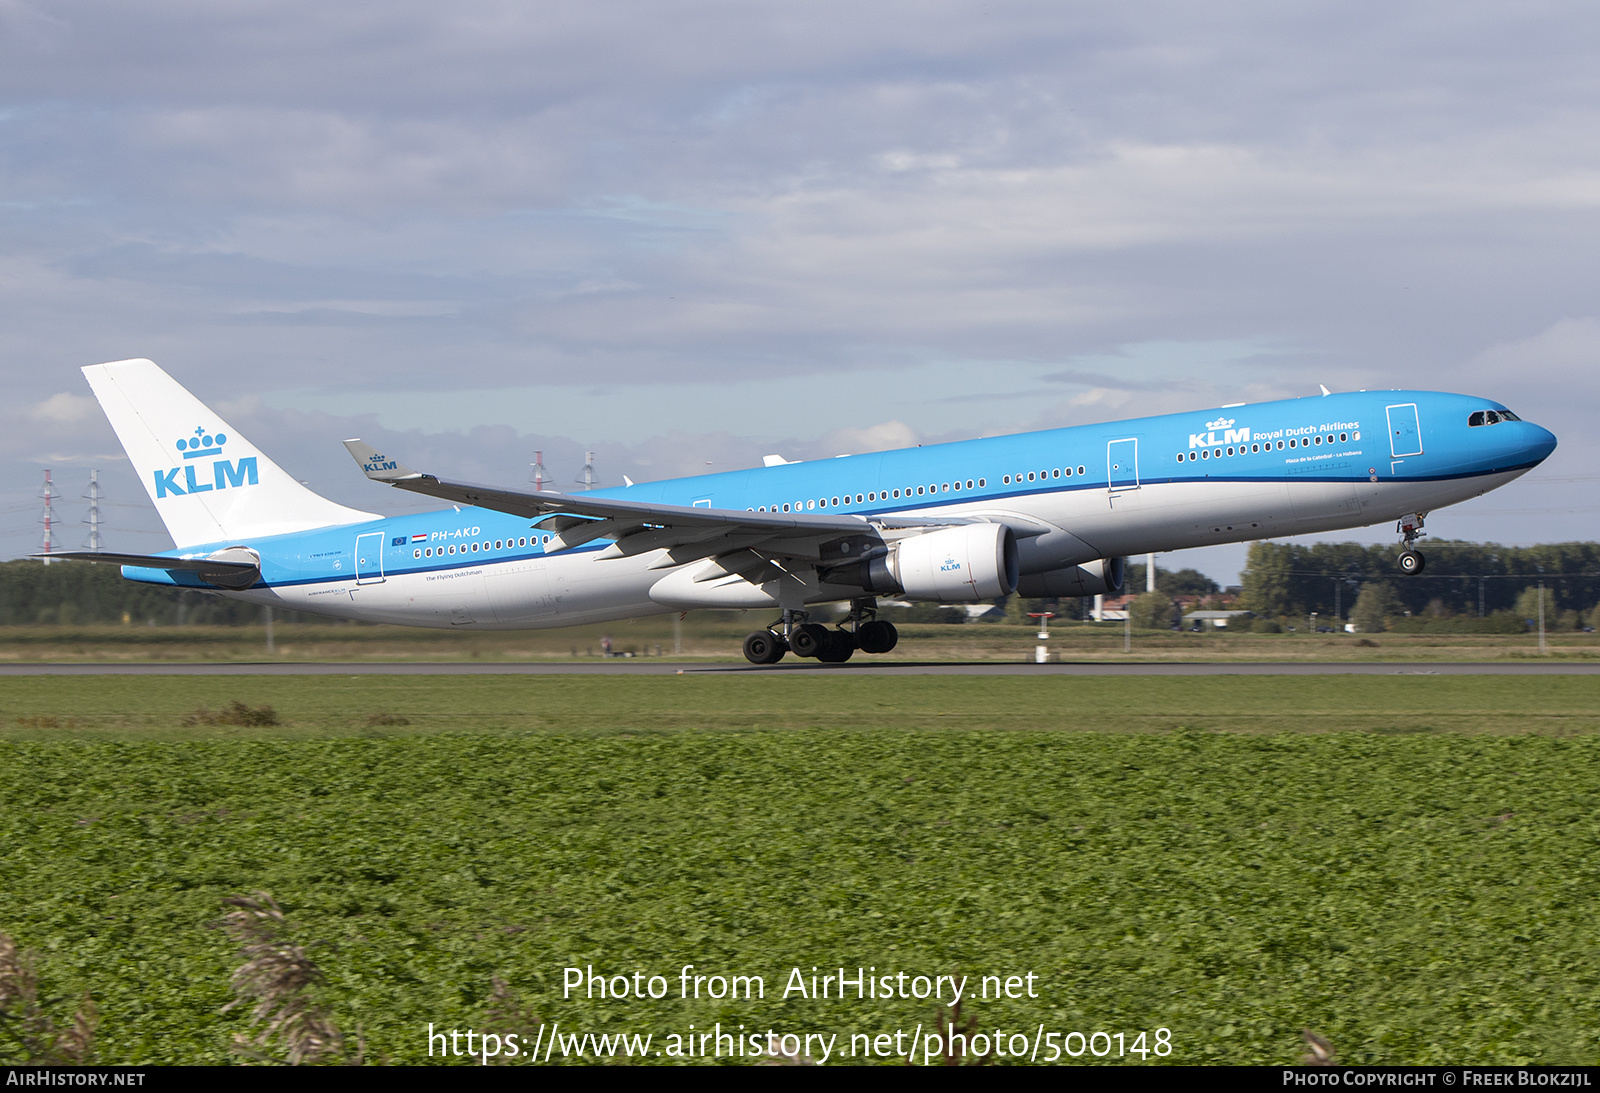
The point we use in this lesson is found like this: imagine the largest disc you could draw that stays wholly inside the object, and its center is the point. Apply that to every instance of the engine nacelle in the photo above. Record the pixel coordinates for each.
(1090, 579)
(966, 564)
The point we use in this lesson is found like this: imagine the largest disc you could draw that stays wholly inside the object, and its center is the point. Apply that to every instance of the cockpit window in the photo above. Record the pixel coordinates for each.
(1490, 417)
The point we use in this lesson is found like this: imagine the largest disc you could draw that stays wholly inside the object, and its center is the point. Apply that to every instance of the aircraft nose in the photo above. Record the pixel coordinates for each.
(1536, 442)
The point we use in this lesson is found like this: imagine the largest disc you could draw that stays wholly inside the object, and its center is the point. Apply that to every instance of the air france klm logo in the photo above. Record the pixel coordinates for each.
(950, 566)
(1223, 426)
(224, 474)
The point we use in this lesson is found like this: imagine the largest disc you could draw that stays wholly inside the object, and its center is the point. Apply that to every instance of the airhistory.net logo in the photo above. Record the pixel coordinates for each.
(224, 474)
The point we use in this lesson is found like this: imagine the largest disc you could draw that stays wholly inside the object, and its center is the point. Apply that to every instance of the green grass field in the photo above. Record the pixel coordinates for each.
(717, 635)
(135, 707)
(1408, 864)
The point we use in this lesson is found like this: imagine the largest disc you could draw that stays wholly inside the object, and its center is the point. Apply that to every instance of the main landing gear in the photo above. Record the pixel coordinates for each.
(1411, 562)
(858, 630)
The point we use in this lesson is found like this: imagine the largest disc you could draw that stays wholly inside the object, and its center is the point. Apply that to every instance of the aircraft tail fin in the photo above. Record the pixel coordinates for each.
(208, 483)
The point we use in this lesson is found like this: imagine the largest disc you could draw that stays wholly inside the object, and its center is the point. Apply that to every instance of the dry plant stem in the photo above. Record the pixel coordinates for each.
(959, 1026)
(1318, 1051)
(24, 1022)
(277, 976)
(237, 713)
(508, 1014)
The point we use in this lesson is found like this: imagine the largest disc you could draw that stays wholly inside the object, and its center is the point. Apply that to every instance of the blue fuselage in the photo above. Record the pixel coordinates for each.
(1148, 484)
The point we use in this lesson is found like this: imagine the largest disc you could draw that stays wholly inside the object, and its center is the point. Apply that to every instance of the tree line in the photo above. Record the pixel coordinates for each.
(1281, 580)
(1462, 581)
(84, 593)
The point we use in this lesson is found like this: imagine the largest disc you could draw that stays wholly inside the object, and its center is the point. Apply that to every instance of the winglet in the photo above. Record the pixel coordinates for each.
(377, 466)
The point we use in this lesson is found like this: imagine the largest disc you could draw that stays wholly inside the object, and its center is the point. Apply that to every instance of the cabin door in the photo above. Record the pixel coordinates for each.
(1405, 434)
(1122, 466)
(369, 558)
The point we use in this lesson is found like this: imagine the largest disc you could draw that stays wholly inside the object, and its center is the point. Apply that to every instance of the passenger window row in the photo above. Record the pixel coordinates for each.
(1051, 472)
(907, 492)
(1298, 442)
(910, 492)
(486, 545)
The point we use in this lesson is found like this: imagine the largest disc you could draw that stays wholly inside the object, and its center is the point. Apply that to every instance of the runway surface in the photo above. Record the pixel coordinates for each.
(627, 667)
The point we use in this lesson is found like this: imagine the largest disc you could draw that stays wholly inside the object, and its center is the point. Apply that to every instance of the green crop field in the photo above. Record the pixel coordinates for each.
(1407, 865)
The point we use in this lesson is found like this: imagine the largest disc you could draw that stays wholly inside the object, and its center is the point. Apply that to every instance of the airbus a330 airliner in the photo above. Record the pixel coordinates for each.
(1040, 514)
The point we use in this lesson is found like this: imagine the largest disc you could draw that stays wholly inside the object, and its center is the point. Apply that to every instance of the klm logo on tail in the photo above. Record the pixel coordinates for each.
(224, 474)
(379, 462)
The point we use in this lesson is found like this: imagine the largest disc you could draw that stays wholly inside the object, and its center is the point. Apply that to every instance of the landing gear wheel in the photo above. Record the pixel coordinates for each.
(1411, 562)
(763, 647)
(809, 640)
(877, 636)
(839, 649)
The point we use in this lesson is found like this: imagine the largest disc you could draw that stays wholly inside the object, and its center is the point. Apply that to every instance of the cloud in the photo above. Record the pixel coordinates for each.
(772, 209)
(883, 437)
(65, 409)
(35, 31)
(1561, 355)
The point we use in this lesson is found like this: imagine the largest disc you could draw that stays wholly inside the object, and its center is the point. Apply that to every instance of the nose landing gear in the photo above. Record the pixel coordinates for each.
(1411, 561)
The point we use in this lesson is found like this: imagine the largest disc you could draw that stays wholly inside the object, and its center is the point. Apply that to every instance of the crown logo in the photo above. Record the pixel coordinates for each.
(1220, 423)
(202, 443)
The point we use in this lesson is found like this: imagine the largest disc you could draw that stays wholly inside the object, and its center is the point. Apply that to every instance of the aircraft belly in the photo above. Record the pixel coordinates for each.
(1176, 515)
(447, 598)
(519, 592)
(1321, 501)
(1390, 500)
(580, 588)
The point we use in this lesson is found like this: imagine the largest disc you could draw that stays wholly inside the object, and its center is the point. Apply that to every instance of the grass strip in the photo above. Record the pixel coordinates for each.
(132, 707)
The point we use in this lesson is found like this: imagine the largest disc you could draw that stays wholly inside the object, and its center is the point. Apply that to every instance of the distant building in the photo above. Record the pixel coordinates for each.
(1214, 618)
(979, 612)
(1114, 608)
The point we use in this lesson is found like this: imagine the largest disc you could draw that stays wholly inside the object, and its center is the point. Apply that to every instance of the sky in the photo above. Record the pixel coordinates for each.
(687, 235)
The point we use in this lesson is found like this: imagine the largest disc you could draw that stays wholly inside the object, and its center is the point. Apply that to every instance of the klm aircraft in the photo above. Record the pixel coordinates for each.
(1039, 514)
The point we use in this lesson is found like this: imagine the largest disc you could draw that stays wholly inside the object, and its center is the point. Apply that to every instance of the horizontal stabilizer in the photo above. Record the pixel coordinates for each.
(234, 567)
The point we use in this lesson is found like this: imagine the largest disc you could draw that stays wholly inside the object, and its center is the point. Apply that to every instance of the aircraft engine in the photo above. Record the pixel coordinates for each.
(1090, 579)
(966, 564)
